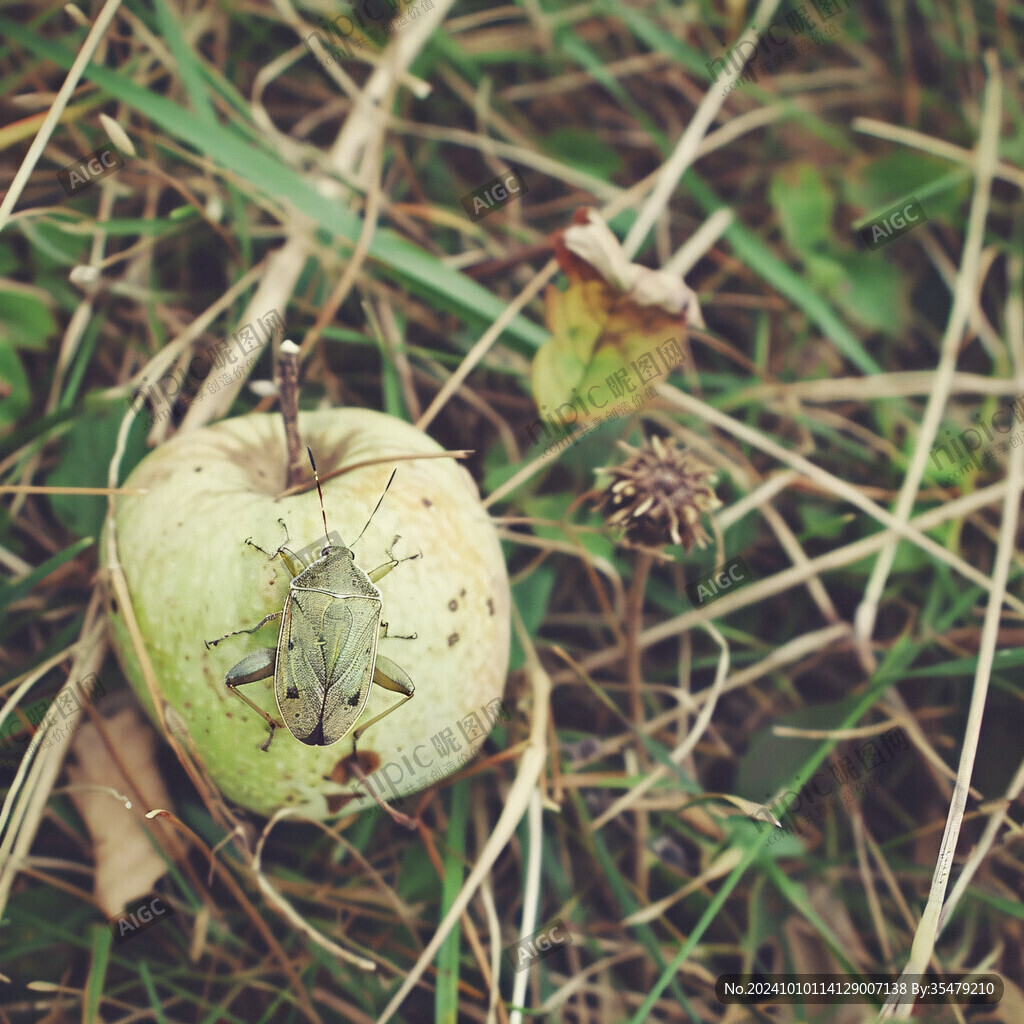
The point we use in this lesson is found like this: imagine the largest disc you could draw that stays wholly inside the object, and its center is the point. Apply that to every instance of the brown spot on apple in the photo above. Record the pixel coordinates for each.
(336, 801)
(342, 772)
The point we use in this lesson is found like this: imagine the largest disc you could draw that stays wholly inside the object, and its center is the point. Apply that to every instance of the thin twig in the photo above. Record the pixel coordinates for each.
(57, 108)
(682, 751)
(376, 461)
(685, 152)
(283, 907)
(832, 484)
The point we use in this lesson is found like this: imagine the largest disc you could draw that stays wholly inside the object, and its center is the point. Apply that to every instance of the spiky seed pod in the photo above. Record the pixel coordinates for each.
(659, 494)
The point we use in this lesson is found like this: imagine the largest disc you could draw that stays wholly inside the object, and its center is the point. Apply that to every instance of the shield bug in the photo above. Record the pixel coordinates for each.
(326, 656)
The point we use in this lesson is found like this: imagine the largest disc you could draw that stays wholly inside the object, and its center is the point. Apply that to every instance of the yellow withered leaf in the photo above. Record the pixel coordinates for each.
(615, 331)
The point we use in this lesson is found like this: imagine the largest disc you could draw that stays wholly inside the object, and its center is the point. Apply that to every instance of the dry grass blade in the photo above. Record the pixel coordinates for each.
(928, 929)
(531, 765)
(963, 301)
(26, 800)
(810, 765)
(286, 910)
(67, 89)
(39, 489)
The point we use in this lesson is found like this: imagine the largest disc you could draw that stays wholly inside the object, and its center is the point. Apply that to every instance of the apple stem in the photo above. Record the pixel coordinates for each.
(288, 397)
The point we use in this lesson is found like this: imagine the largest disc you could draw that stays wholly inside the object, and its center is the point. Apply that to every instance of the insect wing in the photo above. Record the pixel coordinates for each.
(326, 654)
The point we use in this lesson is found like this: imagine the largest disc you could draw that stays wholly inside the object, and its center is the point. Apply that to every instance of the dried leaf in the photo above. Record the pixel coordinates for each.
(617, 327)
(591, 240)
(811, 956)
(127, 864)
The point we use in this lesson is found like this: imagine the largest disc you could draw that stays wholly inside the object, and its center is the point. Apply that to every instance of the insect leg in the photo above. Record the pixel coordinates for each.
(388, 675)
(262, 622)
(258, 665)
(382, 570)
(281, 550)
(265, 745)
(249, 541)
(391, 677)
(397, 636)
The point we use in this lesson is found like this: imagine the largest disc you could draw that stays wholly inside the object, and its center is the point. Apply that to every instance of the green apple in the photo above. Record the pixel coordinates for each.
(192, 578)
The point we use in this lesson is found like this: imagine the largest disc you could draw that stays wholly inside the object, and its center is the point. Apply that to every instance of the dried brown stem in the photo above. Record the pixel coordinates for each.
(634, 626)
(397, 816)
(288, 396)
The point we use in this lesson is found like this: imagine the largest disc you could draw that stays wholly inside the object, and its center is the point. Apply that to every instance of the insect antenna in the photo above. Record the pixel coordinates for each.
(319, 491)
(377, 506)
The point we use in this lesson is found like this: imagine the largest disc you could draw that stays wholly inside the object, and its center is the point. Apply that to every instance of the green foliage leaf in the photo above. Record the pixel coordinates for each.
(901, 174)
(85, 455)
(531, 597)
(583, 149)
(27, 321)
(827, 273)
(772, 762)
(804, 205)
(817, 522)
(12, 376)
(872, 291)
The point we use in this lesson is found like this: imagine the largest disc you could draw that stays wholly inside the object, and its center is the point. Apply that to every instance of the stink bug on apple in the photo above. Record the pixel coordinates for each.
(326, 656)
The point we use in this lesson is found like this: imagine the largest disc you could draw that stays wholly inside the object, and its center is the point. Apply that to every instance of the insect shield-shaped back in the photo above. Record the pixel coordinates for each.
(327, 648)
(326, 656)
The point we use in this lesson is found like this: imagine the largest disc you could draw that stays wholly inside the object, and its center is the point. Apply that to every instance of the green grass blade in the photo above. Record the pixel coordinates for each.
(446, 995)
